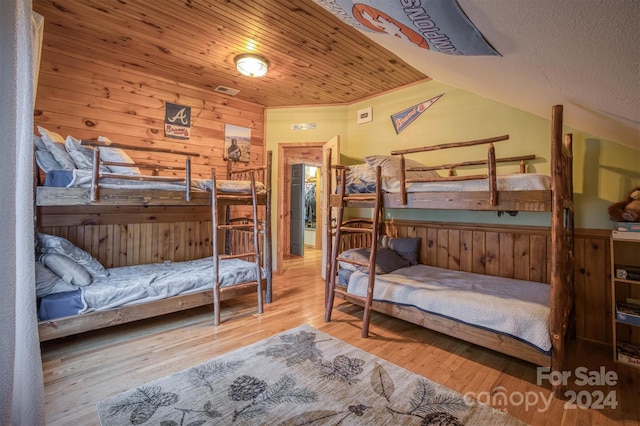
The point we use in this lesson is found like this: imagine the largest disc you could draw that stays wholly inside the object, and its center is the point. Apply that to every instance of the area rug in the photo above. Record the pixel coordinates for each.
(299, 377)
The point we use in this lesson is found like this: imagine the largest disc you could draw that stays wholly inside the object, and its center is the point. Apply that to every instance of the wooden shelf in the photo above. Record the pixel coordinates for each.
(624, 251)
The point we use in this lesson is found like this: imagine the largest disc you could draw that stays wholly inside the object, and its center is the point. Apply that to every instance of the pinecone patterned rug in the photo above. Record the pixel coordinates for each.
(299, 377)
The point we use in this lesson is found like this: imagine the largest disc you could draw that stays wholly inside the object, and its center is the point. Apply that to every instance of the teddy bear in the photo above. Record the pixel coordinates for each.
(627, 210)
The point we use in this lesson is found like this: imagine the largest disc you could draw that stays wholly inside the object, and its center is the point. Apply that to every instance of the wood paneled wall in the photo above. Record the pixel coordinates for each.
(86, 99)
(522, 253)
(140, 243)
(515, 252)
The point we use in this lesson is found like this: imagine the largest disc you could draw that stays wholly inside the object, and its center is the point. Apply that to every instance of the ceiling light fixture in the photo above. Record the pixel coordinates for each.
(251, 65)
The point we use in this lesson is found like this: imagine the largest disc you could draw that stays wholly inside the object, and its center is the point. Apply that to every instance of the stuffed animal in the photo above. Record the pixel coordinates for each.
(627, 210)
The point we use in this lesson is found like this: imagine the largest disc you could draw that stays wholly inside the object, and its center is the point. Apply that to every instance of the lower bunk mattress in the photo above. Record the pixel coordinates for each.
(128, 285)
(516, 308)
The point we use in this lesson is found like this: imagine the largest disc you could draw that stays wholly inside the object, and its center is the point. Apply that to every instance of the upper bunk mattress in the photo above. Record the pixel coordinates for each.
(516, 308)
(506, 182)
(82, 179)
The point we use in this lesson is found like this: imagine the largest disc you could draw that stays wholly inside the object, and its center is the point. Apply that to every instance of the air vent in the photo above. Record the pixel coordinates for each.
(226, 90)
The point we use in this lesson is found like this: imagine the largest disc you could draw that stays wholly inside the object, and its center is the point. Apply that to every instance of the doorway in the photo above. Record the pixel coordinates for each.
(304, 208)
(309, 154)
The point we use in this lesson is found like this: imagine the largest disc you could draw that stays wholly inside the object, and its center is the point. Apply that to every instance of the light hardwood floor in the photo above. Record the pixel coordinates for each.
(81, 370)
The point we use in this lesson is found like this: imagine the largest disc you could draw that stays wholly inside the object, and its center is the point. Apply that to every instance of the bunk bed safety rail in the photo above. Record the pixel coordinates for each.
(96, 175)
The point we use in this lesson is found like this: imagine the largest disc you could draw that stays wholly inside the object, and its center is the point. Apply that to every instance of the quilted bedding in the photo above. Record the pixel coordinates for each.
(516, 308)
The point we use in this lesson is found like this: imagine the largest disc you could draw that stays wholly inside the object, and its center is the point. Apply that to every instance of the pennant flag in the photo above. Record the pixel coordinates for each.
(405, 117)
(437, 25)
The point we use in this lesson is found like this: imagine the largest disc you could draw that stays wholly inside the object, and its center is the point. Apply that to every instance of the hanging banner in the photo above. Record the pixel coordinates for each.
(405, 117)
(438, 25)
(177, 121)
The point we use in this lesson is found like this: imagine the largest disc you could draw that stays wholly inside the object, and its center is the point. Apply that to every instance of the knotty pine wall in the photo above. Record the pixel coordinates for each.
(522, 253)
(87, 99)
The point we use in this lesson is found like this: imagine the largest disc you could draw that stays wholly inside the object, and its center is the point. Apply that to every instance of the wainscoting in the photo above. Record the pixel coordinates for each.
(508, 251)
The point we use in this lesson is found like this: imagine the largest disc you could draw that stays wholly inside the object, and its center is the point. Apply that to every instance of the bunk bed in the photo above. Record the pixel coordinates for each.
(100, 201)
(489, 193)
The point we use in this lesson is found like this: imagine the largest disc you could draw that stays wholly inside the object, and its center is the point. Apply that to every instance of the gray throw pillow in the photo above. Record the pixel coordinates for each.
(386, 260)
(406, 247)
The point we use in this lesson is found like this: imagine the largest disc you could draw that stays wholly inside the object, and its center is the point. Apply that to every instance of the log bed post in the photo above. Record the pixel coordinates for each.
(268, 249)
(95, 175)
(327, 184)
(493, 183)
(561, 238)
(403, 181)
(187, 167)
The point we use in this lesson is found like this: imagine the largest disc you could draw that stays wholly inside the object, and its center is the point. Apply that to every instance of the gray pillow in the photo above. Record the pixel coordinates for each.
(55, 145)
(49, 283)
(406, 247)
(81, 155)
(46, 162)
(39, 143)
(59, 245)
(117, 155)
(66, 268)
(386, 260)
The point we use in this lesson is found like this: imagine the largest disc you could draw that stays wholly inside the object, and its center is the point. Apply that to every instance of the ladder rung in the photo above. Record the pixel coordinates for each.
(359, 198)
(346, 293)
(235, 256)
(238, 226)
(354, 262)
(356, 230)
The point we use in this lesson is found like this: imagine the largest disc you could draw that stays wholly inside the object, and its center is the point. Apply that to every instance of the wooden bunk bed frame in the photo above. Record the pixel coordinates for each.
(558, 201)
(102, 206)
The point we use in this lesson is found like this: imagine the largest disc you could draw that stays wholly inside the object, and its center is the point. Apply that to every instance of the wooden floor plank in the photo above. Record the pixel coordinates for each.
(81, 370)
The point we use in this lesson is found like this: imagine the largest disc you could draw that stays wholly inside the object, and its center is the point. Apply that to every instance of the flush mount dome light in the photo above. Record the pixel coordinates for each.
(252, 65)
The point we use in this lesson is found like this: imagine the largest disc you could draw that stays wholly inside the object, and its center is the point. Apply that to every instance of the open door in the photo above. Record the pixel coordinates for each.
(331, 149)
(297, 210)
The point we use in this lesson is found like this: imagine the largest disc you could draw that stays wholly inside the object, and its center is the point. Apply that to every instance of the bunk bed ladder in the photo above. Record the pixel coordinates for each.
(346, 227)
(228, 224)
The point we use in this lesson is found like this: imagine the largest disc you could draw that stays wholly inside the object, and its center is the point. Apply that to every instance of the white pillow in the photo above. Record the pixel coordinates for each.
(81, 155)
(118, 156)
(66, 268)
(390, 165)
(55, 145)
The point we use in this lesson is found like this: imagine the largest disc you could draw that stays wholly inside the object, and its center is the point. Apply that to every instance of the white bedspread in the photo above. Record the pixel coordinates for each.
(508, 182)
(513, 307)
(128, 285)
(82, 179)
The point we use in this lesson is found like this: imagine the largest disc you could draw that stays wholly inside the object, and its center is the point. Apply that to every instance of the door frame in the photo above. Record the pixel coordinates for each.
(289, 152)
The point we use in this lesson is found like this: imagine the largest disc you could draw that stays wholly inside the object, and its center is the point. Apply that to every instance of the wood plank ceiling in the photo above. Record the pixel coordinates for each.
(315, 58)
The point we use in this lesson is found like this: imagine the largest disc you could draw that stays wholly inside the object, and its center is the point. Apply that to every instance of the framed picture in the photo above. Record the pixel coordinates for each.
(365, 115)
(237, 143)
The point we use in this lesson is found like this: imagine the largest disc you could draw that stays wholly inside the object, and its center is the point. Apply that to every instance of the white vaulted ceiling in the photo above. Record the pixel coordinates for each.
(584, 54)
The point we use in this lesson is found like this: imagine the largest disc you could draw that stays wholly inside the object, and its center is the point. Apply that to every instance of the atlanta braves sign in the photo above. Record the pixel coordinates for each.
(437, 25)
(177, 121)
